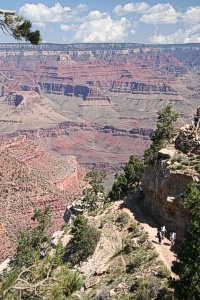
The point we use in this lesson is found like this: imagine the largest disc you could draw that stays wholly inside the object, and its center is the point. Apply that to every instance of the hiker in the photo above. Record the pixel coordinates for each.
(172, 238)
(141, 190)
(163, 231)
(196, 121)
(159, 236)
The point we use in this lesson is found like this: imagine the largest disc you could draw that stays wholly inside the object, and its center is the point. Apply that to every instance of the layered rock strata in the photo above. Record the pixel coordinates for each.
(30, 179)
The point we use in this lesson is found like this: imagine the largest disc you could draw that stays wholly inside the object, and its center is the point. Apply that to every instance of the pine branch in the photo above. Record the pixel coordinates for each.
(7, 12)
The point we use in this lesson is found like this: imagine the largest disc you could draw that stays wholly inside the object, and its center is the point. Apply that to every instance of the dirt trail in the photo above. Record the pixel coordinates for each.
(133, 208)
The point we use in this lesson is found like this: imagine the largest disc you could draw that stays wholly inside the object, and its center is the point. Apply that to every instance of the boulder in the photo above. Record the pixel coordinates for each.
(91, 282)
(102, 269)
(166, 153)
(112, 293)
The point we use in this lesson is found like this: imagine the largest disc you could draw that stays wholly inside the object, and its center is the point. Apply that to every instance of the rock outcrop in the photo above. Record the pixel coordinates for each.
(166, 182)
(163, 189)
(188, 139)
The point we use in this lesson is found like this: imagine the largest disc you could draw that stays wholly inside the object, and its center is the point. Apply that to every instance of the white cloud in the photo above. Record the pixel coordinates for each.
(64, 27)
(192, 15)
(190, 35)
(39, 24)
(42, 13)
(139, 7)
(100, 27)
(160, 14)
(132, 31)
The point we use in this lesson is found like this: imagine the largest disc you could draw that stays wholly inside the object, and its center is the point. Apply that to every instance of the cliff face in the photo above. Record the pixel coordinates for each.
(166, 182)
(163, 190)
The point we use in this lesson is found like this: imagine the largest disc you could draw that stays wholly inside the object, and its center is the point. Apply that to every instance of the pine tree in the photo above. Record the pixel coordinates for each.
(96, 179)
(188, 264)
(164, 132)
(127, 180)
(35, 274)
(92, 194)
(84, 240)
(16, 26)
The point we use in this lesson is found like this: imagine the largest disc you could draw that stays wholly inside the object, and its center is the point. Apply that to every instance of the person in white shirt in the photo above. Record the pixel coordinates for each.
(172, 238)
(141, 190)
(163, 231)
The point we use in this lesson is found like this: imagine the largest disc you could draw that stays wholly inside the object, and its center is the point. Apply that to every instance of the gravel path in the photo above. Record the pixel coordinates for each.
(133, 207)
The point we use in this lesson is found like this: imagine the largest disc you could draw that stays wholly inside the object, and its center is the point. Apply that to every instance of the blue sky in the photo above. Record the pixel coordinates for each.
(73, 21)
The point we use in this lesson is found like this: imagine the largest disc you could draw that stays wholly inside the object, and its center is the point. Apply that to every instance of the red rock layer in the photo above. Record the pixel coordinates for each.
(29, 179)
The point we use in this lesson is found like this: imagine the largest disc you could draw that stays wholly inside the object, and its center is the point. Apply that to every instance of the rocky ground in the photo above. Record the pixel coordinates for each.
(109, 262)
(133, 206)
(105, 272)
(135, 210)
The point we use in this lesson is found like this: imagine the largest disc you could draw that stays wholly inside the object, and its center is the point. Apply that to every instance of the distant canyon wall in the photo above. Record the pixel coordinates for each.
(88, 70)
(69, 138)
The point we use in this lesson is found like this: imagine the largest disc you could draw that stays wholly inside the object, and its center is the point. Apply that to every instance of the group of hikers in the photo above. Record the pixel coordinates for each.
(161, 234)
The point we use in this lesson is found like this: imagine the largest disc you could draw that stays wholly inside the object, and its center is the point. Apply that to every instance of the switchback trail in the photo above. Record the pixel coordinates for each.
(133, 207)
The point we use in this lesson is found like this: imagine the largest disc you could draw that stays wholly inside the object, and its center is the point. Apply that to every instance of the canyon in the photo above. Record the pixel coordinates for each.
(66, 109)
(96, 101)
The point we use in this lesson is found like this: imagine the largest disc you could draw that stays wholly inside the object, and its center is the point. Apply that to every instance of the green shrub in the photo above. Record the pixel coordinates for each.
(123, 218)
(186, 163)
(130, 268)
(133, 227)
(143, 238)
(173, 160)
(179, 159)
(84, 241)
(197, 168)
(149, 246)
(163, 272)
(179, 167)
(148, 290)
(102, 223)
(128, 249)
(154, 255)
(65, 227)
(192, 157)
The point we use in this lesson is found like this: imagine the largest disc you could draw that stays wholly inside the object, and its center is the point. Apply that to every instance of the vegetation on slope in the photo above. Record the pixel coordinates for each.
(134, 271)
(37, 270)
(188, 264)
(84, 240)
(96, 192)
(127, 180)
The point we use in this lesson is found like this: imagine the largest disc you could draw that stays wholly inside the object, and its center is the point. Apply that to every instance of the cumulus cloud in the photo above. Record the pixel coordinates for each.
(156, 14)
(160, 14)
(190, 35)
(139, 7)
(100, 27)
(42, 13)
(192, 15)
